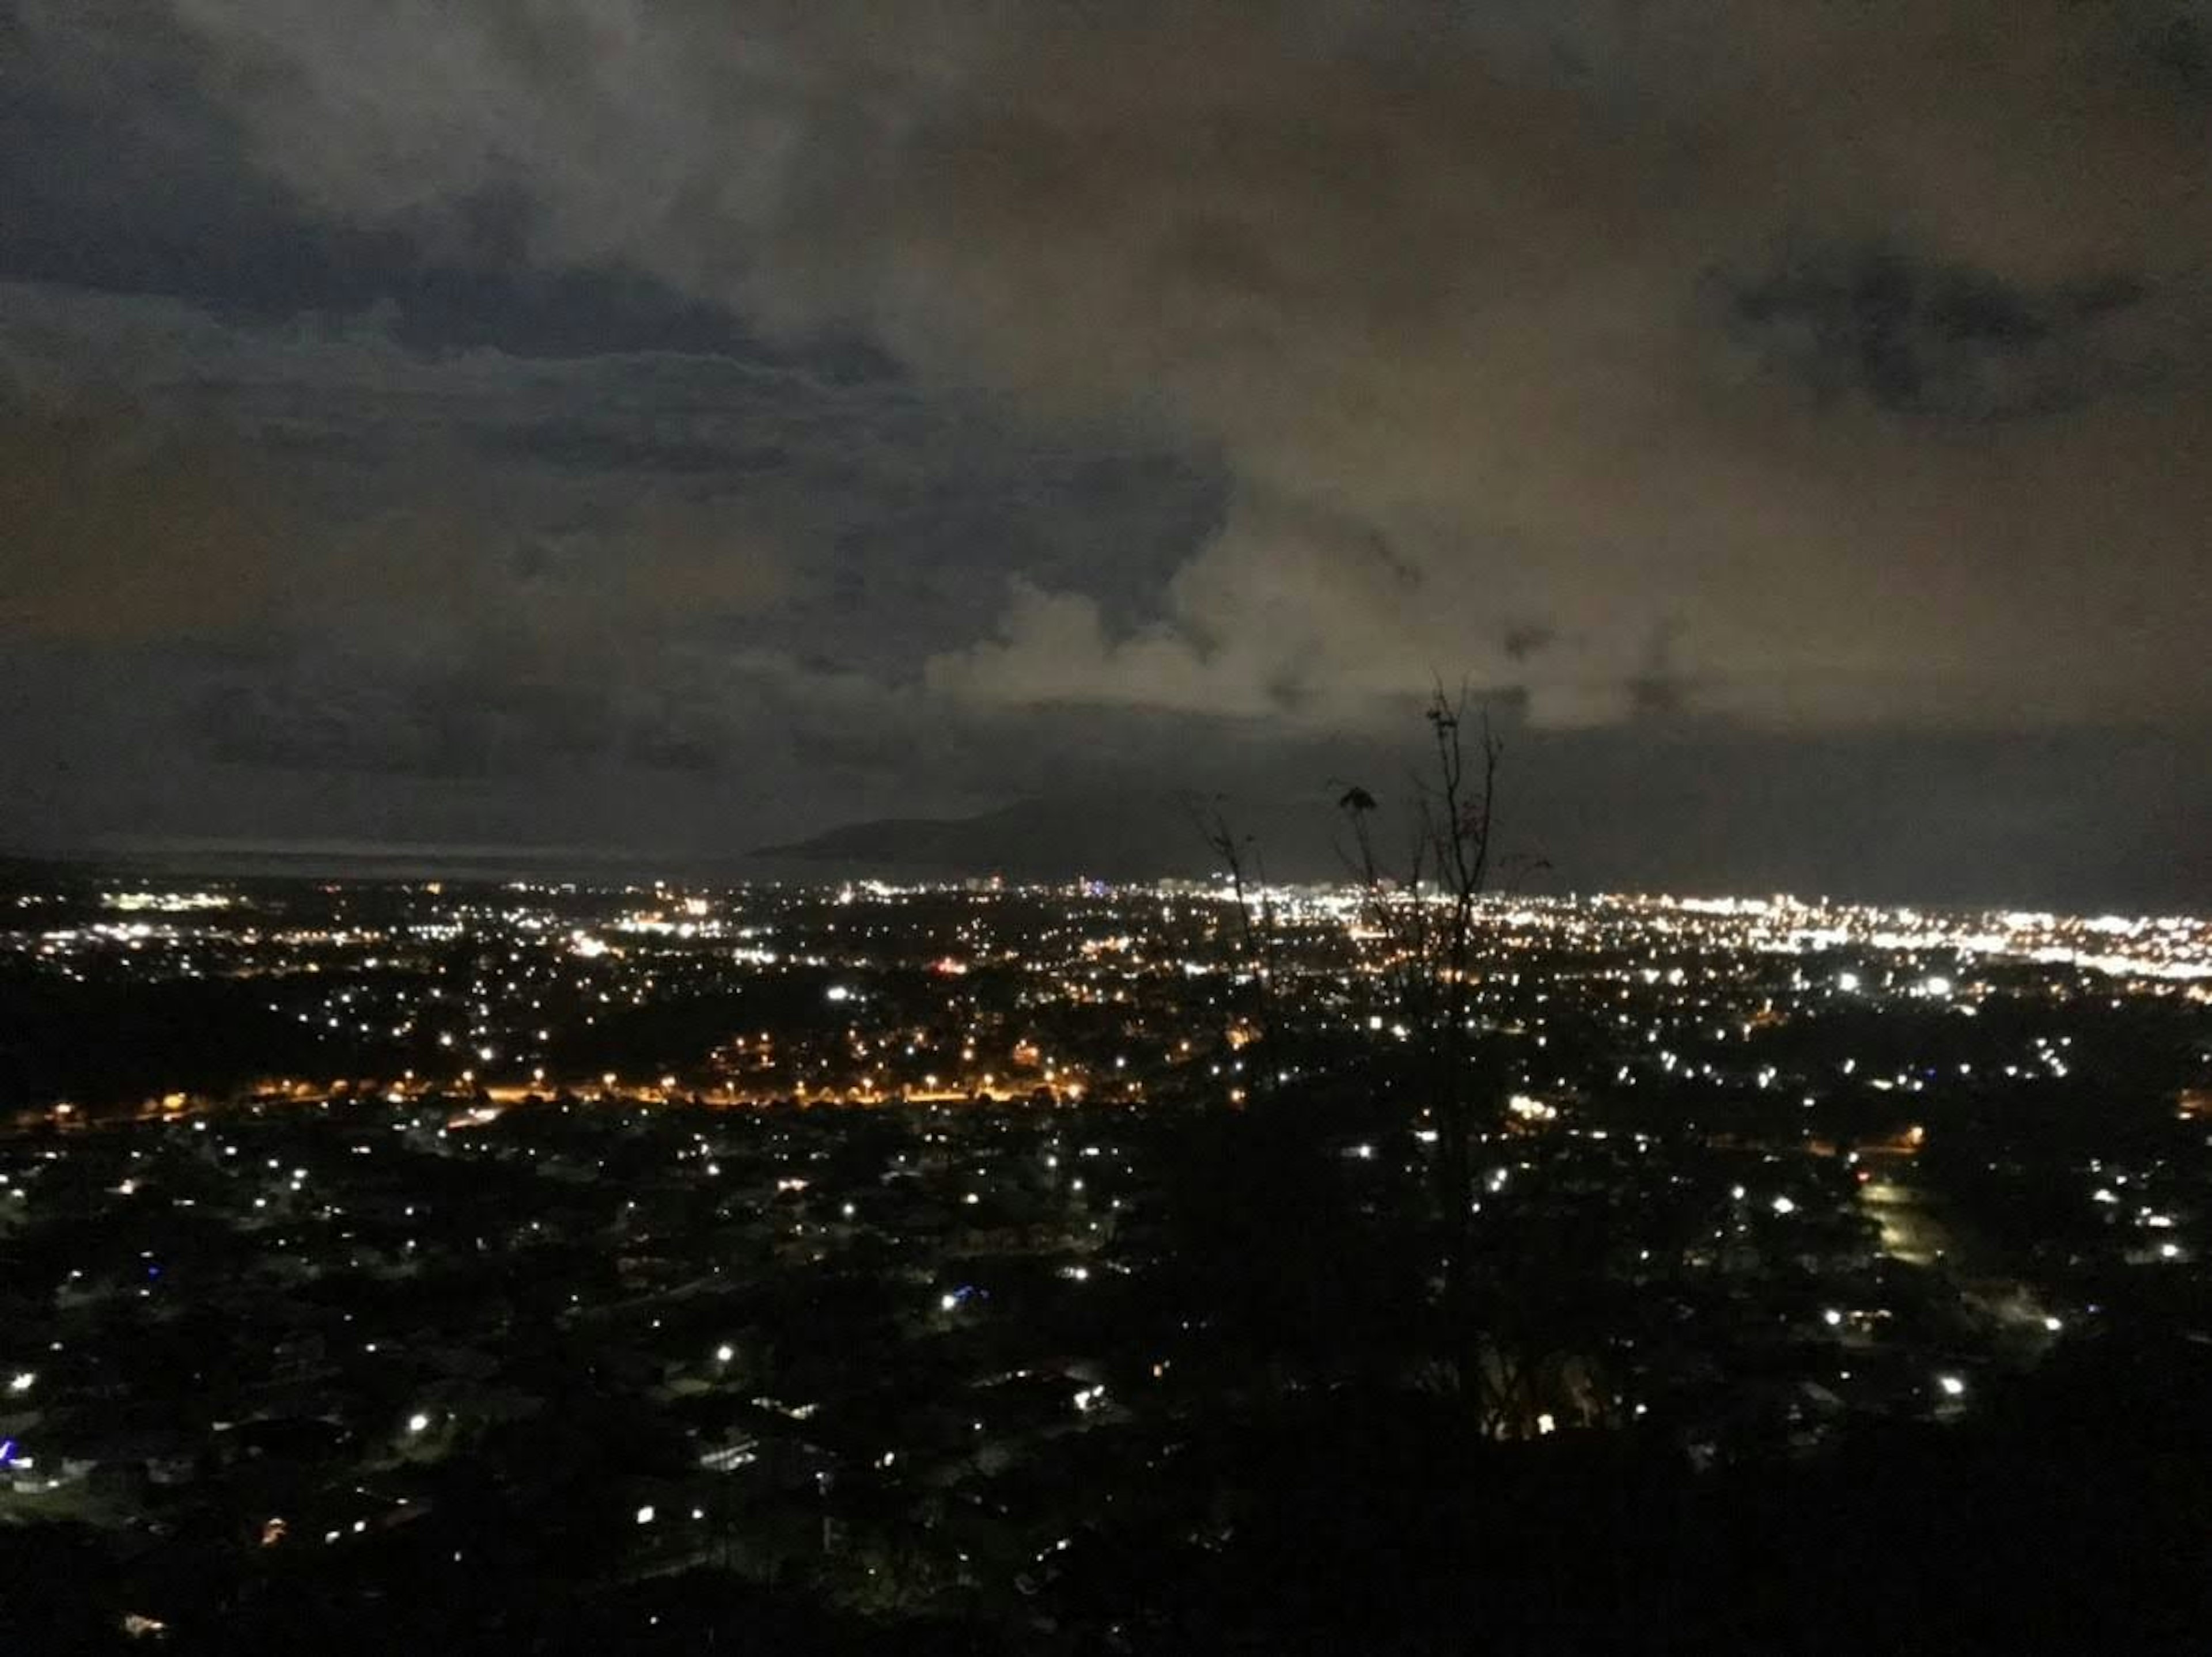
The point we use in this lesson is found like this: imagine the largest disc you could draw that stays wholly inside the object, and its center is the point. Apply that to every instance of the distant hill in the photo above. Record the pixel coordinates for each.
(1114, 838)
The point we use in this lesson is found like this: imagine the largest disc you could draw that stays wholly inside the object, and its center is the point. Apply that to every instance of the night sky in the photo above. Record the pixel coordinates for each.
(601, 426)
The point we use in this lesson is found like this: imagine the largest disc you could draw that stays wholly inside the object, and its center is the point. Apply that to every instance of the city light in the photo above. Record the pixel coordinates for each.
(1757, 1144)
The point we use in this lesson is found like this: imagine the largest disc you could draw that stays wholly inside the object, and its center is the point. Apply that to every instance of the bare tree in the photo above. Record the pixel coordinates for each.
(1255, 948)
(1423, 918)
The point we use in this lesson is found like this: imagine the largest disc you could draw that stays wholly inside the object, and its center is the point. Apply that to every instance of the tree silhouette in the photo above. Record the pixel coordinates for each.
(1422, 919)
(1254, 947)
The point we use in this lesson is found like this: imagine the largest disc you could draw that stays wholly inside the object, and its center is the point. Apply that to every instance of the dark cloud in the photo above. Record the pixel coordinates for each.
(521, 571)
(1936, 340)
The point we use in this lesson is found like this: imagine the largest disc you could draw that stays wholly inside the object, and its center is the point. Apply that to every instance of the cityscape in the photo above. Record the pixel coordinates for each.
(1181, 829)
(977, 1265)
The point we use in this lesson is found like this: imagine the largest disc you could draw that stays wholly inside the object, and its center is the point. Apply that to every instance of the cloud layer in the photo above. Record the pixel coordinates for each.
(1846, 344)
(898, 406)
